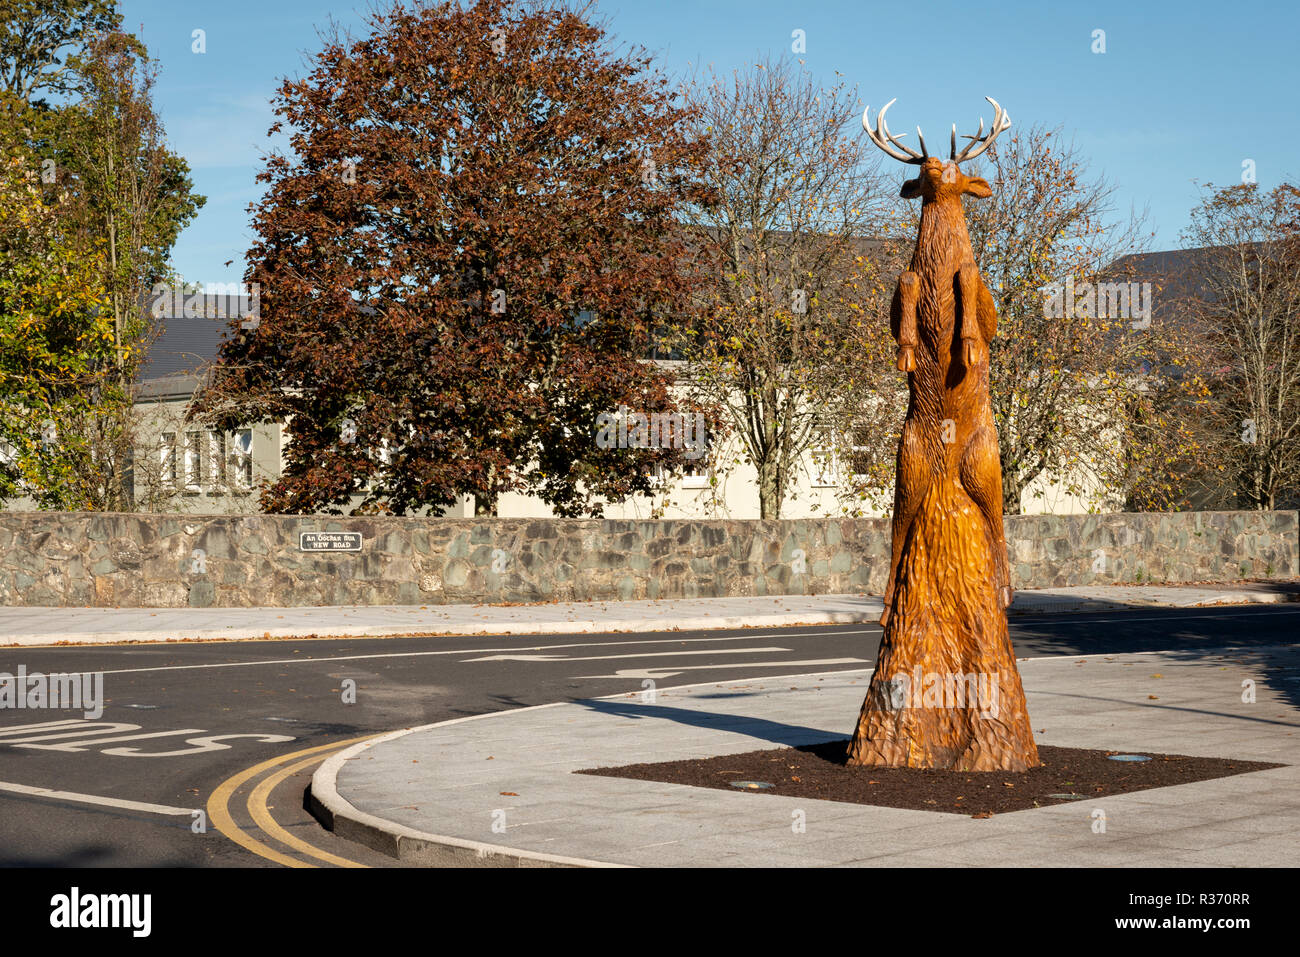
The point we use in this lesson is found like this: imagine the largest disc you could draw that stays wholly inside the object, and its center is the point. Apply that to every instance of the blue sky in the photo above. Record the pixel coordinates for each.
(1185, 91)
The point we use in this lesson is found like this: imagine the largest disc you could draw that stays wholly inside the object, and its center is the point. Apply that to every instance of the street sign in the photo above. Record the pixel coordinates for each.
(329, 541)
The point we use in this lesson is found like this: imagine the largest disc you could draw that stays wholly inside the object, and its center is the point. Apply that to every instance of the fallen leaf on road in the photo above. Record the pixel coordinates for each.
(510, 794)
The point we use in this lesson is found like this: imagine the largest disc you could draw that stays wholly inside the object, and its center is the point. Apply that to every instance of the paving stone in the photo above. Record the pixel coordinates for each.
(1251, 818)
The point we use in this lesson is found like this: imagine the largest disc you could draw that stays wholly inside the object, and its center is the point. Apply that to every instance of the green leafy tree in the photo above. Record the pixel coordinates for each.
(40, 39)
(107, 200)
(55, 338)
(137, 195)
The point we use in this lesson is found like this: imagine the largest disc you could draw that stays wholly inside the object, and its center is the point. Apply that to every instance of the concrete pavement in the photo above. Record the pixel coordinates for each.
(47, 626)
(498, 789)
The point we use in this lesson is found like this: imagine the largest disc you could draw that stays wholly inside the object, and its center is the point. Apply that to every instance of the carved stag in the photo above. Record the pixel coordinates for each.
(943, 318)
(949, 580)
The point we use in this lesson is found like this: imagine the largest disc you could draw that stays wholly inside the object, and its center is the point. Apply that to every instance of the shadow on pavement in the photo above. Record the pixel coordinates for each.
(760, 728)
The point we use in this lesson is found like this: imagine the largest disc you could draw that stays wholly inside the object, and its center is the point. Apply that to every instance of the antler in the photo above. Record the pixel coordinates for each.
(1001, 122)
(889, 142)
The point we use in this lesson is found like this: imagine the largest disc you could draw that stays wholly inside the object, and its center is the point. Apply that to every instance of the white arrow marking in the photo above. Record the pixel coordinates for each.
(643, 654)
(665, 673)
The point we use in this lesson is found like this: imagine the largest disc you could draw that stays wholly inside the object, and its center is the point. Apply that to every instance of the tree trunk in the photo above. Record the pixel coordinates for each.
(769, 491)
(1012, 492)
(948, 625)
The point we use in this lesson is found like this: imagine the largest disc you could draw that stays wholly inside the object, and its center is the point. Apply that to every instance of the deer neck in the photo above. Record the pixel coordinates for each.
(942, 242)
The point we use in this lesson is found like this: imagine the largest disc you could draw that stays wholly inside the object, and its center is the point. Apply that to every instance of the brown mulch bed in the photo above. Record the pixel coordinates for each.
(819, 771)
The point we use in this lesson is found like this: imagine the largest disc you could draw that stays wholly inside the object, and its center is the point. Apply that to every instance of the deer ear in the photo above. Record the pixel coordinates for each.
(911, 189)
(978, 186)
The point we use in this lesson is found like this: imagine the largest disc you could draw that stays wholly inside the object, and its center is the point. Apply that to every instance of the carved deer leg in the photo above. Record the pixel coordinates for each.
(908, 288)
(911, 481)
(981, 477)
(974, 350)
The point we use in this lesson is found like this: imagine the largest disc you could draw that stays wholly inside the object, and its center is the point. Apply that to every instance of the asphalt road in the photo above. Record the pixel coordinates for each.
(132, 785)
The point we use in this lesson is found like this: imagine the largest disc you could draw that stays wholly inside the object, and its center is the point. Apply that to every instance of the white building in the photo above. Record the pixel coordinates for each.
(213, 473)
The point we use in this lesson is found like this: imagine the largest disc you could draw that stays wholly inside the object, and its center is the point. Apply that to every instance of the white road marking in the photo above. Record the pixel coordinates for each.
(60, 731)
(1015, 620)
(456, 651)
(669, 672)
(643, 654)
(96, 799)
(65, 724)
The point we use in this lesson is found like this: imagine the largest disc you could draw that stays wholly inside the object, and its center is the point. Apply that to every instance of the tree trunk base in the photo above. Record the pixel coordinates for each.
(946, 692)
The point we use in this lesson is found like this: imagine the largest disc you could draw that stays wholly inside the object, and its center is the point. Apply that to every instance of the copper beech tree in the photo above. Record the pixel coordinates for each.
(459, 261)
(946, 692)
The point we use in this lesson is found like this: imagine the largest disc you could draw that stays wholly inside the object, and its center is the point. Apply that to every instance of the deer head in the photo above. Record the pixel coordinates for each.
(938, 180)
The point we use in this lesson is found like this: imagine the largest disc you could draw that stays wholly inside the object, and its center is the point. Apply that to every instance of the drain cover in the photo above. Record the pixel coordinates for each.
(1128, 757)
(751, 785)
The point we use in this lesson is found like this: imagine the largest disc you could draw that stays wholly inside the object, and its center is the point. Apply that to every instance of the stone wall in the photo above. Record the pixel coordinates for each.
(93, 559)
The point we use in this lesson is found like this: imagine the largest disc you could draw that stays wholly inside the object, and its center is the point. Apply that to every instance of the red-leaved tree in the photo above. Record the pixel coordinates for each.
(459, 262)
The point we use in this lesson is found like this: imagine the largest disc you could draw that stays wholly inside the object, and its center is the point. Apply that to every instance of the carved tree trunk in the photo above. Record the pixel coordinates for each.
(946, 692)
(948, 621)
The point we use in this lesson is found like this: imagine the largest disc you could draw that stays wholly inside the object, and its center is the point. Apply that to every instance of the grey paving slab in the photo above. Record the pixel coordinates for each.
(1248, 820)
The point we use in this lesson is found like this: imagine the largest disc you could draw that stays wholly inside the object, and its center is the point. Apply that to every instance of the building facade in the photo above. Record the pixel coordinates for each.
(187, 468)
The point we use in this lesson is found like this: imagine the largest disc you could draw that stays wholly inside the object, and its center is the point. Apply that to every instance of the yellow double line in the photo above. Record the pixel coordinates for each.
(221, 818)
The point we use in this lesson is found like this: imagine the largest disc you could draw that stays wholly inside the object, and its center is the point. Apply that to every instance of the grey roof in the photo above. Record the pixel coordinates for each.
(1175, 274)
(177, 386)
(184, 345)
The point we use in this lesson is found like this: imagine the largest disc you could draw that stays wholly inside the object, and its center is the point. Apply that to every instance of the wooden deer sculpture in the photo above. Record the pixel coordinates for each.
(949, 581)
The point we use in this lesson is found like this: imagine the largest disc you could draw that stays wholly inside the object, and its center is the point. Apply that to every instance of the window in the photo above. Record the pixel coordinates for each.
(696, 471)
(192, 461)
(167, 459)
(862, 455)
(218, 455)
(243, 458)
(824, 460)
(691, 473)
